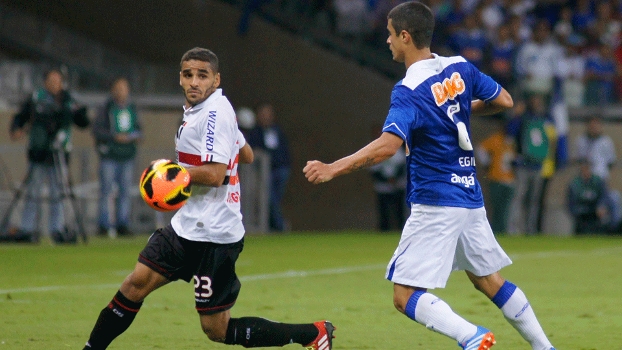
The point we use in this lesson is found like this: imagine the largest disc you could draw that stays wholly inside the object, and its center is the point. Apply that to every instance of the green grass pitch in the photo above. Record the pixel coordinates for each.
(50, 296)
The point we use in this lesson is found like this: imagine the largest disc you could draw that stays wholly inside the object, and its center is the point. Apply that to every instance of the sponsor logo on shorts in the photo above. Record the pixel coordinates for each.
(467, 181)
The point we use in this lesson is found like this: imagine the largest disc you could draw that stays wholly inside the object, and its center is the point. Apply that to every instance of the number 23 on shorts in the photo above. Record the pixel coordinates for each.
(202, 287)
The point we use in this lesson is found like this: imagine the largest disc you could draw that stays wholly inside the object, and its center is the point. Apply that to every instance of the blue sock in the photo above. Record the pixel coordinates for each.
(412, 304)
(504, 294)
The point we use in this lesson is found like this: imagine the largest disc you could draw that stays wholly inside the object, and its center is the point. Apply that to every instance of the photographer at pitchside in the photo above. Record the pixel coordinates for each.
(46, 117)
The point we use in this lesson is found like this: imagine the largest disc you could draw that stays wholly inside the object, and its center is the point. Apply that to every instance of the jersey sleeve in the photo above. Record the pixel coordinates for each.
(402, 113)
(241, 139)
(484, 87)
(219, 133)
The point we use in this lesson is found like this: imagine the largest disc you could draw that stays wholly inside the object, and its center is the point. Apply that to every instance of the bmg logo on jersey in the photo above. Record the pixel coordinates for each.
(448, 90)
(467, 181)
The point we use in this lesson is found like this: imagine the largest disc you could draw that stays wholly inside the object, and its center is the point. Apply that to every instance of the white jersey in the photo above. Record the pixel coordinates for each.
(209, 133)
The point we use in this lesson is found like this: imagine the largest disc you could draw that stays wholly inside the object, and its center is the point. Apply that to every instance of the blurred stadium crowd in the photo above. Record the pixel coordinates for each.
(553, 46)
(553, 56)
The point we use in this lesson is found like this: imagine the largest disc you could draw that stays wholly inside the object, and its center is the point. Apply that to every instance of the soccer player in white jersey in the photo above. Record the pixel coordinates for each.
(447, 229)
(206, 235)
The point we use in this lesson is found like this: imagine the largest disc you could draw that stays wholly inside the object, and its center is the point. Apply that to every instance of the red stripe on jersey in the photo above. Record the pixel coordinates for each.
(234, 179)
(187, 158)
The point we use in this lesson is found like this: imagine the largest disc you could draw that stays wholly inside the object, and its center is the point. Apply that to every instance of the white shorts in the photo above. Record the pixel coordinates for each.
(437, 240)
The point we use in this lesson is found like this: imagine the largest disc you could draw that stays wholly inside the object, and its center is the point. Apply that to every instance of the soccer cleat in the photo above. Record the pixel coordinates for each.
(482, 340)
(324, 340)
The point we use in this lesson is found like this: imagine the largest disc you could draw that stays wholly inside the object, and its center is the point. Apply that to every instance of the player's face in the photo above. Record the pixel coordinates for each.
(198, 81)
(395, 42)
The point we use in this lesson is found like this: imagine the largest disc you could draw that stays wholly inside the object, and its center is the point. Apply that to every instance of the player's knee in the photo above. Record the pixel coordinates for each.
(135, 287)
(135, 281)
(139, 281)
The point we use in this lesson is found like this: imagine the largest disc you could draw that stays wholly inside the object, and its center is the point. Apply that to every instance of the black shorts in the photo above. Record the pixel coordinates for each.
(211, 266)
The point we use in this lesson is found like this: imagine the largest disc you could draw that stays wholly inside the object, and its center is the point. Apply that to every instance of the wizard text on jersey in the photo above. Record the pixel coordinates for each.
(209, 137)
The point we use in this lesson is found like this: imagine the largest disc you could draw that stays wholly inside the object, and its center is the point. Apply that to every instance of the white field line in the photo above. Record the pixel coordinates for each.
(260, 277)
(332, 271)
(294, 274)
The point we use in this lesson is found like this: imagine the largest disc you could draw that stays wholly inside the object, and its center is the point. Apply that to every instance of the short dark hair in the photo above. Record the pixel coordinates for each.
(415, 18)
(201, 54)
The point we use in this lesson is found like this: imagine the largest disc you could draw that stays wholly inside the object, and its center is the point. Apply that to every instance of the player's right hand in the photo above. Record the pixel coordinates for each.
(317, 172)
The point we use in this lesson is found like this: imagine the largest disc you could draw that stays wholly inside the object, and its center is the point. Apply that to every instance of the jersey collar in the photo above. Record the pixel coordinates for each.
(433, 63)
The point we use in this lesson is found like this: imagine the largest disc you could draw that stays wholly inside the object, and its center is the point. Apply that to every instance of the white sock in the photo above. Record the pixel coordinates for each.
(436, 315)
(520, 315)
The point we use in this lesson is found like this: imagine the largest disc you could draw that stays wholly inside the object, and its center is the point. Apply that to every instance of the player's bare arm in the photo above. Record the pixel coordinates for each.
(210, 174)
(499, 104)
(375, 152)
(246, 154)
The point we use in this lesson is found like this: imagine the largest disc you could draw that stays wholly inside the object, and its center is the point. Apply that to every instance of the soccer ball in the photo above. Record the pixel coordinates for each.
(165, 185)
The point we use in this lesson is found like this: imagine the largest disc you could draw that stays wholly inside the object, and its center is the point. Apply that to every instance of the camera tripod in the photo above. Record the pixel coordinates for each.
(73, 223)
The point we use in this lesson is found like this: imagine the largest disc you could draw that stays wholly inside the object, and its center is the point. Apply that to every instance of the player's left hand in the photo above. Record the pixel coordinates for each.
(317, 172)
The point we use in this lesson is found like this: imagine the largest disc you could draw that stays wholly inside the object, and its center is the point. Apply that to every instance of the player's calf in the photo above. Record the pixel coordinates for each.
(113, 320)
(254, 332)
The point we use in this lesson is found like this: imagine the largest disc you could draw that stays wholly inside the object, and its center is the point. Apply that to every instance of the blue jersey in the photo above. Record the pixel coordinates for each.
(430, 111)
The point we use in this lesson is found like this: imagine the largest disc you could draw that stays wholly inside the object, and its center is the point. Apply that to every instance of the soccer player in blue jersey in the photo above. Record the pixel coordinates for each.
(447, 229)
